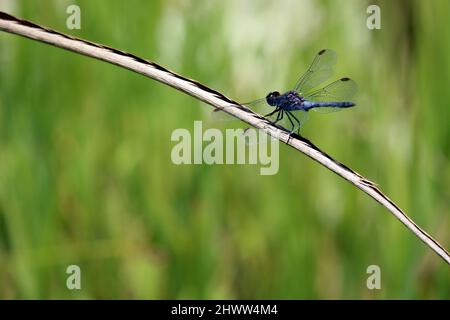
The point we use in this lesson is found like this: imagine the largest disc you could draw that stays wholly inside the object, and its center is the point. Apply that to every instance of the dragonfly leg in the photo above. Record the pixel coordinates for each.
(279, 116)
(296, 120)
(289, 115)
(273, 112)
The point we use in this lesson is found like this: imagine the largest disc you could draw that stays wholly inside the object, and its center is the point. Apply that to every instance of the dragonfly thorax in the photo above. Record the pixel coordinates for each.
(289, 100)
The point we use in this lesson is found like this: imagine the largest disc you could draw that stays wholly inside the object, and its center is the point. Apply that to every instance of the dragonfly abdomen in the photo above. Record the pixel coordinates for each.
(339, 104)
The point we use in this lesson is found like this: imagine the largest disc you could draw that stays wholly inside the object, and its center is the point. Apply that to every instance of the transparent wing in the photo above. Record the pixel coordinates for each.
(340, 90)
(259, 106)
(319, 71)
(217, 115)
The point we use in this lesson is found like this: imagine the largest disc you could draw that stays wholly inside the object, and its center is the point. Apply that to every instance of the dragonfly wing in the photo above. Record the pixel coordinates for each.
(217, 115)
(319, 71)
(259, 106)
(342, 90)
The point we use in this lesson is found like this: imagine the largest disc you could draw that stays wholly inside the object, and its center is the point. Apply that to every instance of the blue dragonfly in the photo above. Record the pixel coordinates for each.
(290, 109)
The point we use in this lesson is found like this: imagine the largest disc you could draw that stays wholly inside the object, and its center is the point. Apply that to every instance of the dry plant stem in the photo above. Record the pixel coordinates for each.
(150, 69)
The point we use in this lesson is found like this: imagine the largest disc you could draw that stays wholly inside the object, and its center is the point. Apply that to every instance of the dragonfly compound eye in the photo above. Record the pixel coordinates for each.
(271, 98)
(273, 94)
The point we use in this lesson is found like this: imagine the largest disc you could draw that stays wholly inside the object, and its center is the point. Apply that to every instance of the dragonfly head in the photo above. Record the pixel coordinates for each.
(272, 98)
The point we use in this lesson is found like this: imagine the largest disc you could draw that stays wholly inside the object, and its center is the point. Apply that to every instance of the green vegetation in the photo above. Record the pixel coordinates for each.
(86, 176)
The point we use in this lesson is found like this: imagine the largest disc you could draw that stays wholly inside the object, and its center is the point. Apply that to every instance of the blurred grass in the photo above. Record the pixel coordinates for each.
(86, 176)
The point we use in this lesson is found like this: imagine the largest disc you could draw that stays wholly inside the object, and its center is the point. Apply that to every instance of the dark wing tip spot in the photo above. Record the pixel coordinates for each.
(345, 79)
(322, 51)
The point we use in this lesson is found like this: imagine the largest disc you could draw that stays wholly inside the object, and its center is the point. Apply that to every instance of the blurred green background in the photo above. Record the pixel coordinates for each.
(86, 176)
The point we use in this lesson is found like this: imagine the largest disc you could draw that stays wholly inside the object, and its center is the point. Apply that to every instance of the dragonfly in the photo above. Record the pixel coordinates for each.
(290, 109)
